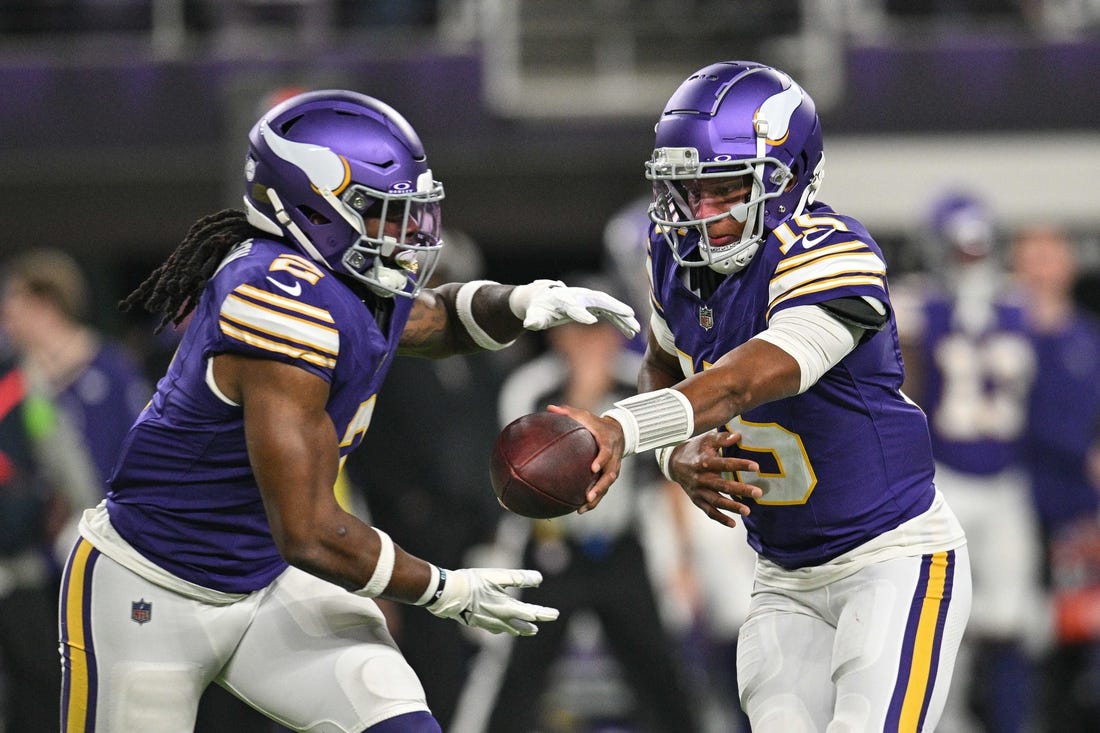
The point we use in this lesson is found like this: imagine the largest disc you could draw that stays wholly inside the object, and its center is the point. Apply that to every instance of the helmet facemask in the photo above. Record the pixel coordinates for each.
(673, 170)
(384, 261)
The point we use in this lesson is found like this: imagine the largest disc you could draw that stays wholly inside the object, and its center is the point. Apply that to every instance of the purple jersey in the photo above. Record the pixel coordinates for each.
(103, 402)
(976, 382)
(1063, 421)
(848, 459)
(184, 494)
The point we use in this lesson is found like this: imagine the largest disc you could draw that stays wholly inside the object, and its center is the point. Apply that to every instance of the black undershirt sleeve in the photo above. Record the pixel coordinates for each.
(857, 312)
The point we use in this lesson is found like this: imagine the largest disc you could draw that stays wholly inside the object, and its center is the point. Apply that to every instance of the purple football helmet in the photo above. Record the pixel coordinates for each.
(964, 222)
(321, 163)
(733, 119)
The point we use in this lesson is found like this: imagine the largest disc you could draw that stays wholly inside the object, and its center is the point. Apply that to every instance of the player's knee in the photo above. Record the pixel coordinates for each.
(759, 661)
(852, 715)
(781, 713)
(419, 722)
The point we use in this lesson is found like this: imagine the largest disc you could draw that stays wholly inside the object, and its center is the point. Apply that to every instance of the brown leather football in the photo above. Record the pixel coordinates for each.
(542, 465)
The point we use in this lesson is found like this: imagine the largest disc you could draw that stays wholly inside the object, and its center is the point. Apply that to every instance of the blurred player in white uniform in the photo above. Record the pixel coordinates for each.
(594, 563)
(711, 574)
(775, 308)
(970, 366)
(221, 554)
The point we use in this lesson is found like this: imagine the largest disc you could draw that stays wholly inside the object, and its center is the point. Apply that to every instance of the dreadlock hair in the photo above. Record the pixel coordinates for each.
(174, 287)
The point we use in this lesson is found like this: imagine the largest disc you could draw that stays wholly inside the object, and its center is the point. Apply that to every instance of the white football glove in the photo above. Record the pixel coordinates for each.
(477, 597)
(544, 304)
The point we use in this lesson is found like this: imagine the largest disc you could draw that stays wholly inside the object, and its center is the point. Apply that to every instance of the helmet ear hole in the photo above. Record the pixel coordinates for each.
(314, 216)
(796, 176)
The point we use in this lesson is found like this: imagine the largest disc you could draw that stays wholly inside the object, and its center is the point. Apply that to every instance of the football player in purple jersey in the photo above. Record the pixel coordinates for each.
(771, 391)
(221, 554)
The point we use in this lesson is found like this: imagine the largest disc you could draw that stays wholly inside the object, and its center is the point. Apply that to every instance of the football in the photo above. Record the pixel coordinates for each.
(542, 465)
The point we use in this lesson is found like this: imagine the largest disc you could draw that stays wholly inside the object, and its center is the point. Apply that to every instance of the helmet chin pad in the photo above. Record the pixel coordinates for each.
(736, 262)
(385, 281)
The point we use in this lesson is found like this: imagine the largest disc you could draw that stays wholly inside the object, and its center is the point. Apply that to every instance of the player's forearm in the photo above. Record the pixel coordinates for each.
(755, 373)
(460, 318)
(349, 553)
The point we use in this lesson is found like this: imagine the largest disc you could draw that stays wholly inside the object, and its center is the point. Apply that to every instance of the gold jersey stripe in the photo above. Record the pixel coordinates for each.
(793, 261)
(829, 284)
(259, 342)
(860, 263)
(281, 325)
(289, 304)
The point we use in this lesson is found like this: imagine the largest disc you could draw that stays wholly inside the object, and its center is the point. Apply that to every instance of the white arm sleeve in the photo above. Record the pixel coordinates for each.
(662, 333)
(813, 338)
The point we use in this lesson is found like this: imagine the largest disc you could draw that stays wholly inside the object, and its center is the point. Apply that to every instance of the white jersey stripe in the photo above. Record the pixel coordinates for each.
(274, 346)
(281, 325)
(290, 304)
(826, 267)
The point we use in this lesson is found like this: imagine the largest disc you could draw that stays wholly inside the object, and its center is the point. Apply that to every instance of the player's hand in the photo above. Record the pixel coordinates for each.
(706, 475)
(477, 597)
(544, 304)
(609, 459)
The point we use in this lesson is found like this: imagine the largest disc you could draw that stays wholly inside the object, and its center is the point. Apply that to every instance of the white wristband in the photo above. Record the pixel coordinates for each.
(464, 305)
(383, 568)
(434, 588)
(653, 419)
(663, 456)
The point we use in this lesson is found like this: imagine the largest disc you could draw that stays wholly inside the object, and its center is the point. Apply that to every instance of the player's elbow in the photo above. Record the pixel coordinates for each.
(298, 545)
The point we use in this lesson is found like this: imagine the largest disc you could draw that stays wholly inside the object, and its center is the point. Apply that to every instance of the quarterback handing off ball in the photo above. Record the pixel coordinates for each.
(542, 465)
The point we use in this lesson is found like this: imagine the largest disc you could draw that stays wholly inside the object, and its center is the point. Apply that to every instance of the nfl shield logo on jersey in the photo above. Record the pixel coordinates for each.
(141, 611)
(706, 317)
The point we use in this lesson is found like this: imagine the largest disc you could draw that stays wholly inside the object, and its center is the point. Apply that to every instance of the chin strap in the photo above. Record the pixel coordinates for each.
(295, 231)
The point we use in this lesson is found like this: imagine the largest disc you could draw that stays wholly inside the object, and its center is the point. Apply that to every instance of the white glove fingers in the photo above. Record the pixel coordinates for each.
(511, 608)
(510, 578)
(541, 613)
(522, 628)
(580, 313)
(627, 324)
(491, 624)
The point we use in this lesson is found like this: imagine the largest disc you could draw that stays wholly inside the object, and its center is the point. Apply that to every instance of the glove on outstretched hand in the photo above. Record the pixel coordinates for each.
(543, 304)
(477, 597)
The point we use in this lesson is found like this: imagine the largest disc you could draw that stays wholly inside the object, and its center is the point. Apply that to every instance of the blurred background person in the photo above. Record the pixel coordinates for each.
(46, 479)
(1063, 431)
(446, 506)
(970, 365)
(594, 566)
(45, 309)
(92, 377)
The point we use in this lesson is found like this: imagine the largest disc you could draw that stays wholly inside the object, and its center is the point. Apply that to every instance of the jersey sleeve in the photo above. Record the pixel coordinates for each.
(278, 312)
(821, 264)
